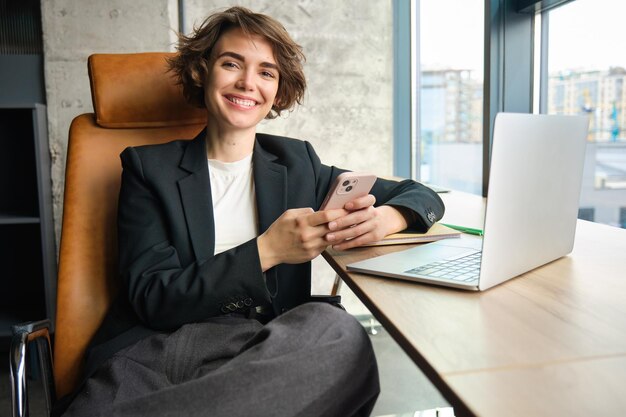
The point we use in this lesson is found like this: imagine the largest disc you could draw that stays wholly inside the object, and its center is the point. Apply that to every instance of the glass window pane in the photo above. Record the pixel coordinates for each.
(587, 75)
(451, 93)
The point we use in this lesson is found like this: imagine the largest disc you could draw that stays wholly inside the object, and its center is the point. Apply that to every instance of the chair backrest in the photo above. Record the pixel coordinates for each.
(136, 102)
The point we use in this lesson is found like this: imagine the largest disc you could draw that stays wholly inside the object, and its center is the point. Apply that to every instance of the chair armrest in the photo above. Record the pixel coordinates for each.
(334, 300)
(23, 334)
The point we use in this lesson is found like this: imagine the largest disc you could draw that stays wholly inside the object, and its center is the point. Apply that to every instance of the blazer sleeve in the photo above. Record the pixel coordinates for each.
(424, 204)
(164, 292)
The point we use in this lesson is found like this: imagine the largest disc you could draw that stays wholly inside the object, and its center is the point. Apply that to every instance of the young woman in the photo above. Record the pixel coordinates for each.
(216, 236)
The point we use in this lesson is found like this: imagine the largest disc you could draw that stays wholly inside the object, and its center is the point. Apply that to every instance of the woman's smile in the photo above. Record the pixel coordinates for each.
(243, 102)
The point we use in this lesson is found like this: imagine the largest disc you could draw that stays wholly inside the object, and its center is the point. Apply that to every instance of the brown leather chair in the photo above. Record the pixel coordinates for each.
(136, 102)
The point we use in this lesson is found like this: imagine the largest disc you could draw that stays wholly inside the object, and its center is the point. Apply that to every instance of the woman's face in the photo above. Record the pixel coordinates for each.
(243, 81)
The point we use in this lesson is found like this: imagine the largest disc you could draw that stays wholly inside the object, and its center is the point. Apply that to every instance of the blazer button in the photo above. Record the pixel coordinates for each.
(248, 302)
(239, 304)
(231, 307)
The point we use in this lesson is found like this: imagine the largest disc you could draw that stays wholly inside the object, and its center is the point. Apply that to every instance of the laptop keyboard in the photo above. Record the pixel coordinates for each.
(463, 269)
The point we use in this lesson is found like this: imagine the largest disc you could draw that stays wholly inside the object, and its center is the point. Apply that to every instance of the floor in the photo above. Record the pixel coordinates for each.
(405, 391)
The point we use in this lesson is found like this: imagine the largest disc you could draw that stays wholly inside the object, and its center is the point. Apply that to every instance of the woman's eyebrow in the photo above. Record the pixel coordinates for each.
(243, 59)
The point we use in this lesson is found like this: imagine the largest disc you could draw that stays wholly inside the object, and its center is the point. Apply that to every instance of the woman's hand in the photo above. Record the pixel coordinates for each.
(297, 236)
(301, 234)
(364, 224)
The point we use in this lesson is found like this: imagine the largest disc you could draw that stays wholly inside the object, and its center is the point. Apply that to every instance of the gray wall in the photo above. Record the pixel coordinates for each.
(347, 114)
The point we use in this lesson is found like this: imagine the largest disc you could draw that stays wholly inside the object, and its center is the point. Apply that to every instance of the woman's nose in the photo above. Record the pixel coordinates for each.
(245, 82)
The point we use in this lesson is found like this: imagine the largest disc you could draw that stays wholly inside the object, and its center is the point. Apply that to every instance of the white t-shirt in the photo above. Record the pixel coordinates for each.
(234, 202)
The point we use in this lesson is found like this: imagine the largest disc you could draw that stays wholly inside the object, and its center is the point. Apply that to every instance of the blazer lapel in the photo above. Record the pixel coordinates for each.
(195, 193)
(270, 182)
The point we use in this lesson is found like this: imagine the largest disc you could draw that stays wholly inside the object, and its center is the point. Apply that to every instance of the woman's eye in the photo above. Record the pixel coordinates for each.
(229, 65)
(268, 74)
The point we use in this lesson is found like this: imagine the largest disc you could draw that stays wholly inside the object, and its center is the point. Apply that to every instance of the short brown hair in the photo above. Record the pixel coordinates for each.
(191, 64)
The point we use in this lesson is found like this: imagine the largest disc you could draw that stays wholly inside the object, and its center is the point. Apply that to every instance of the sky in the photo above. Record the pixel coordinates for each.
(451, 33)
(587, 34)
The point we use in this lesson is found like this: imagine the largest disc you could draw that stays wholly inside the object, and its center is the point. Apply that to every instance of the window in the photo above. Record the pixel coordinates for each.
(587, 75)
(450, 102)
(580, 70)
(586, 213)
(622, 217)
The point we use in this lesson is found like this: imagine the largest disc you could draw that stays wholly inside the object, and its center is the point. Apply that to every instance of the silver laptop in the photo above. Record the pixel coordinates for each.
(530, 219)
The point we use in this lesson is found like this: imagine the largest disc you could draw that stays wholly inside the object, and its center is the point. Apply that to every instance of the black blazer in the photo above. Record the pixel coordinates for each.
(169, 275)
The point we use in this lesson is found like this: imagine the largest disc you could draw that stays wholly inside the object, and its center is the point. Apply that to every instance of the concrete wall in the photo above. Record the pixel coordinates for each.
(75, 29)
(347, 114)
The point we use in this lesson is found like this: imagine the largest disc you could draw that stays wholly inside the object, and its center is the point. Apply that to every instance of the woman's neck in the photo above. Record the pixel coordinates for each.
(229, 146)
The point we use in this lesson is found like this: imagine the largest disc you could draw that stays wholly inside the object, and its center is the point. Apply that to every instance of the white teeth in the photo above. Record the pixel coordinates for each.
(242, 102)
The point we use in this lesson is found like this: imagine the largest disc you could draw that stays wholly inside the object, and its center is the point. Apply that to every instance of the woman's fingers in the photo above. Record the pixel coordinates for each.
(357, 228)
(360, 203)
(354, 217)
(298, 235)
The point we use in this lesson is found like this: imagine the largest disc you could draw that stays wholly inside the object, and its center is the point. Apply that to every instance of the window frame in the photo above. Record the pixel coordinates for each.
(509, 73)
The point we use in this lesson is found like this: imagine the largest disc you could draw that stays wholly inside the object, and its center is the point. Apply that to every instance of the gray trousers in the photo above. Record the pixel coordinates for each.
(315, 360)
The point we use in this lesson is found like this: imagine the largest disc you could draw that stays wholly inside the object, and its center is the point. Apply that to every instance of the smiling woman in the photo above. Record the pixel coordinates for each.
(239, 92)
(215, 236)
(191, 64)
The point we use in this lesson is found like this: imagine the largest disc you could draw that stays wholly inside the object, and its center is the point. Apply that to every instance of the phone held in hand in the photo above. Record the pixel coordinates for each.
(347, 187)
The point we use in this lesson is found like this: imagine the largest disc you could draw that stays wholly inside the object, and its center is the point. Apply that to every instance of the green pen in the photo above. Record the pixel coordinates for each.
(464, 229)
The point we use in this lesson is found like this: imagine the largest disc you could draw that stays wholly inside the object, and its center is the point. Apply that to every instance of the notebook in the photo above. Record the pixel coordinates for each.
(530, 218)
(437, 232)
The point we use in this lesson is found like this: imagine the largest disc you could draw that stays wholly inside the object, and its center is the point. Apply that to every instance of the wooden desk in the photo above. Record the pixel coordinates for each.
(551, 342)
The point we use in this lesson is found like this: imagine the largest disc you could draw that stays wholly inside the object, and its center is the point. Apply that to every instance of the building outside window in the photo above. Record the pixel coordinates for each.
(586, 213)
(587, 75)
(622, 217)
(586, 71)
(450, 93)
